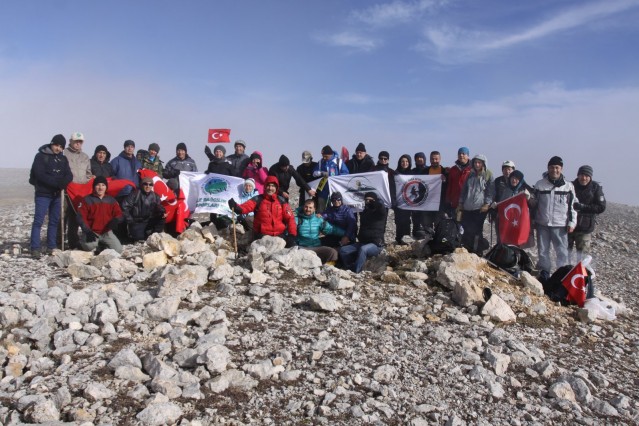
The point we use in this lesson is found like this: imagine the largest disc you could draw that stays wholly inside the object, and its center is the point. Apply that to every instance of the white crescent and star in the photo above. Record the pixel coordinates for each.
(216, 135)
(572, 282)
(512, 206)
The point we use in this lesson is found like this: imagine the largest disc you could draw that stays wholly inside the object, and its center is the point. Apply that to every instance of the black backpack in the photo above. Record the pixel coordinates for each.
(446, 238)
(555, 290)
(510, 258)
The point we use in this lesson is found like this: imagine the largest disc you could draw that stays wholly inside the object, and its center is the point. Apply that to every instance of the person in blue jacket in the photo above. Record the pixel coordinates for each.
(343, 216)
(309, 228)
(126, 166)
(329, 165)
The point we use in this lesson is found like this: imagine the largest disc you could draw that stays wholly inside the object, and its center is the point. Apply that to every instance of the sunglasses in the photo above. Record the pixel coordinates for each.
(147, 184)
(383, 158)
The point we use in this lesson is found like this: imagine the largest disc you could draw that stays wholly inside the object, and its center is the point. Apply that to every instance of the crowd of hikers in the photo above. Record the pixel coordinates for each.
(563, 212)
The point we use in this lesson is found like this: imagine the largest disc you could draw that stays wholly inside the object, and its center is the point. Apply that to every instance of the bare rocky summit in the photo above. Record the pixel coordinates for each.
(179, 331)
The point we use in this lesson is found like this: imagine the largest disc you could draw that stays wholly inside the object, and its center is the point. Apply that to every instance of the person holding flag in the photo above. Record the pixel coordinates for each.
(513, 223)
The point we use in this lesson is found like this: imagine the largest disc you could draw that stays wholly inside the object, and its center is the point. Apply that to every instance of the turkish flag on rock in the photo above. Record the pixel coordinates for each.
(575, 283)
(514, 220)
(219, 135)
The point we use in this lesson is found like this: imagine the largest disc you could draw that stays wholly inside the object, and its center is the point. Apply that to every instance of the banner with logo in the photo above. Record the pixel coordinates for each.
(353, 187)
(418, 192)
(210, 193)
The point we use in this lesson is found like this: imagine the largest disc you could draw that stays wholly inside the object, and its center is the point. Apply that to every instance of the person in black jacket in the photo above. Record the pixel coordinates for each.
(590, 202)
(370, 236)
(360, 162)
(283, 171)
(305, 170)
(143, 211)
(219, 165)
(50, 174)
(100, 165)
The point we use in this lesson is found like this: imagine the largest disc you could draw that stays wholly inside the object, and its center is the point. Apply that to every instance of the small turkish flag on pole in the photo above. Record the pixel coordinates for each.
(514, 220)
(575, 283)
(219, 135)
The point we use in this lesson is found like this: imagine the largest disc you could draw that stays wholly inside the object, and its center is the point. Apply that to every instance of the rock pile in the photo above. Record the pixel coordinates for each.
(180, 331)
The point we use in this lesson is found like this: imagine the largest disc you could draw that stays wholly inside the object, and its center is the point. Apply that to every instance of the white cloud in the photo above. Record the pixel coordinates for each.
(450, 44)
(396, 12)
(350, 40)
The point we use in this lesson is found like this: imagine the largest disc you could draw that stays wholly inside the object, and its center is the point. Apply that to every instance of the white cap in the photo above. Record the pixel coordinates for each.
(508, 163)
(76, 136)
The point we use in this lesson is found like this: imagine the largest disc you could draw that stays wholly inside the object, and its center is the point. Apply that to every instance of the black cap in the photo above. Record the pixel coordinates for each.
(585, 170)
(360, 147)
(384, 154)
(372, 195)
(59, 140)
(181, 145)
(154, 147)
(101, 148)
(556, 161)
(100, 179)
(284, 161)
(128, 142)
(336, 196)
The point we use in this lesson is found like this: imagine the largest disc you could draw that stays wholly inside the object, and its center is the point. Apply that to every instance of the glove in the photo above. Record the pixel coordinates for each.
(91, 237)
(208, 152)
(113, 224)
(291, 241)
(578, 206)
(234, 207)
(484, 208)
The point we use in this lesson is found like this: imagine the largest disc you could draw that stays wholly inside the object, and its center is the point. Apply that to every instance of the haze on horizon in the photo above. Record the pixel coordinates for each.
(512, 80)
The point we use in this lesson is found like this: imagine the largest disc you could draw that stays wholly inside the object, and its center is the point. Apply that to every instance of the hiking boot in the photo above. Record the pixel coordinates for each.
(36, 254)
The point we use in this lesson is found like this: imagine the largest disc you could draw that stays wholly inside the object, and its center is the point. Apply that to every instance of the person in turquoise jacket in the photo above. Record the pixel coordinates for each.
(309, 228)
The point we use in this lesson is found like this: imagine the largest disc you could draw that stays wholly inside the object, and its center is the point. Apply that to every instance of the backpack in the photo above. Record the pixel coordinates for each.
(32, 179)
(510, 258)
(555, 290)
(446, 238)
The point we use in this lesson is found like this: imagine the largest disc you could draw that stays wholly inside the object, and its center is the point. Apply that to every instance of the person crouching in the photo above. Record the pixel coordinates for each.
(143, 211)
(98, 215)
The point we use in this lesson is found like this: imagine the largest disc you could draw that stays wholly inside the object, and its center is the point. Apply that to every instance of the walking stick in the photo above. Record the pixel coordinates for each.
(234, 233)
(491, 231)
(62, 220)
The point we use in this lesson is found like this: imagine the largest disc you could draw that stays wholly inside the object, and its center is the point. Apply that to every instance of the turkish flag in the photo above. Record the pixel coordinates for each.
(514, 220)
(77, 191)
(575, 283)
(219, 135)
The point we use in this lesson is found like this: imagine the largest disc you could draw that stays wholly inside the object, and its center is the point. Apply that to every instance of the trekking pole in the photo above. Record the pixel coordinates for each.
(62, 199)
(491, 231)
(234, 234)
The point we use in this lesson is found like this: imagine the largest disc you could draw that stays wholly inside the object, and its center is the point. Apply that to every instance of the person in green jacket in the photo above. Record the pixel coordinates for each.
(309, 228)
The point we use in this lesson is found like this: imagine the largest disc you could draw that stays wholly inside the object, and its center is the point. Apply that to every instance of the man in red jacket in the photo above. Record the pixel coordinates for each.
(98, 215)
(273, 215)
(457, 175)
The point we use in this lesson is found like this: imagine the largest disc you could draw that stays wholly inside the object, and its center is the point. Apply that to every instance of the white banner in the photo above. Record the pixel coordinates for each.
(418, 192)
(353, 187)
(210, 193)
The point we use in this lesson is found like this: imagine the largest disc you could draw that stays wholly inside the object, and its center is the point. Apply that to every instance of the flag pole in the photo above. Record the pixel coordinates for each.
(234, 233)
(62, 220)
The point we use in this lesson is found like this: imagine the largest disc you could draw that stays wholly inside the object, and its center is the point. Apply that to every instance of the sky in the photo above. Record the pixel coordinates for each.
(513, 80)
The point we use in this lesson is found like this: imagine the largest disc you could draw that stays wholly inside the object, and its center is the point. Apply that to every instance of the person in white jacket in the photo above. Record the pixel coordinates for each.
(555, 216)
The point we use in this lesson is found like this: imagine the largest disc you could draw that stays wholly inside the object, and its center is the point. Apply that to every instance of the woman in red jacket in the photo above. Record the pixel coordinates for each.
(273, 215)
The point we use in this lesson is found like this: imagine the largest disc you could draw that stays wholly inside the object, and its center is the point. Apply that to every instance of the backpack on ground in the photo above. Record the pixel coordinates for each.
(555, 290)
(446, 238)
(510, 258)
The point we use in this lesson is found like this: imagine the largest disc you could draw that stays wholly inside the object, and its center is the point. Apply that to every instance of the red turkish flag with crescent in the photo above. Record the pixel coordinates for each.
(575, 284)
(176, 208)
(514, 220)
(77, 191)
(219, 135)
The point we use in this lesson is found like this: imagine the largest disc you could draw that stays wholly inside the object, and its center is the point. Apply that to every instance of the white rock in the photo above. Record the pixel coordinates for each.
(160, 414)
(498, 310)
(531, 283)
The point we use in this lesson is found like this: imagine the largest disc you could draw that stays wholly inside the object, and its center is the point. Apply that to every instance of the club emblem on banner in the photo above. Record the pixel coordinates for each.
(357, 186)
(215, 185)
(414, 192)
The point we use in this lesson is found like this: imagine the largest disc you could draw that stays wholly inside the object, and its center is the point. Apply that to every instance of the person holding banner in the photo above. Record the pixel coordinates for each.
(403, 217)
(474, 202)
(370, 236)
(273, 214)
(50, 174)
(329, 165)
(305, 170)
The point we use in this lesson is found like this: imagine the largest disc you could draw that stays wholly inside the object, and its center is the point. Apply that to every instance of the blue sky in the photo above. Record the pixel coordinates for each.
(521, 80)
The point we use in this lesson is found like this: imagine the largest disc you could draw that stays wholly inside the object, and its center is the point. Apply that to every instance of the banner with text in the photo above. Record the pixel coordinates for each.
(210, 193)
(418, 192)
(353, 187)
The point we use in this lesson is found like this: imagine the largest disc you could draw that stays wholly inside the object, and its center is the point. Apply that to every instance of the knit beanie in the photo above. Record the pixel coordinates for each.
(372, 195)
(360, 147)
(556, 161)
(220, 148)
(463, 150)
(240, 142)
(420, 155)
(585, 170)
(101, 148)
(250, 181)
(384, 154)
(336, 196)
(128, 142)
(100, 179)
(154, 147)
(181, 145)
(59, 140)
(284, 161)
(327, 150)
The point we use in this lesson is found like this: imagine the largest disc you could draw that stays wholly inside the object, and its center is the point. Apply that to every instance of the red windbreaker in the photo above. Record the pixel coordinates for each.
(272, 217)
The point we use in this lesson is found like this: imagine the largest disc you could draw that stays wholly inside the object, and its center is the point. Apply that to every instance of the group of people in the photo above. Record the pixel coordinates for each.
(563, 212)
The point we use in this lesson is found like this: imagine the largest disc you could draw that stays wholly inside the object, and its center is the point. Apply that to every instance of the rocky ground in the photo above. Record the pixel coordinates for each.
(182, 332)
